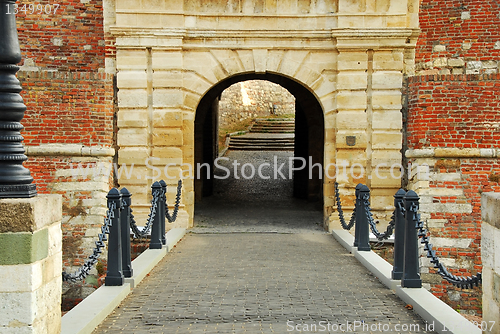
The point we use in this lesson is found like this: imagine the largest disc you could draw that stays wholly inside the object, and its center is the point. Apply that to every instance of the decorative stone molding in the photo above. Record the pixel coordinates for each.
(74, 150)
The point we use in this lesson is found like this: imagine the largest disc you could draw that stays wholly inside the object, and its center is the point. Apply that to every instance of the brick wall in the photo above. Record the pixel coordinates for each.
(72, 39)
(458, 37)
(70, 109)
(454, 128)
(66, 107)
(458, 111)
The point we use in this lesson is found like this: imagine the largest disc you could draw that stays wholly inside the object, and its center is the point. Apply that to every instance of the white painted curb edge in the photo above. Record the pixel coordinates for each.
(432, 309)
(87, 315)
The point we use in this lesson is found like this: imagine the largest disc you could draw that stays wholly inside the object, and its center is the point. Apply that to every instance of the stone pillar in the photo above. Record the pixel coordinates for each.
(30, 264)
(490, 255)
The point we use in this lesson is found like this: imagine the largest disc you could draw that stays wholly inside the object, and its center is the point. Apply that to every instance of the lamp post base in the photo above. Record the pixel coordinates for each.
(17, 190)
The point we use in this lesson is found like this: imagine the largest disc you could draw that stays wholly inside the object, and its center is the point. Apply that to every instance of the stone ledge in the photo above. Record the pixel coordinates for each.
(490, 208)
(453, 153)
(87, 315)
(74, 150)
(434, 311)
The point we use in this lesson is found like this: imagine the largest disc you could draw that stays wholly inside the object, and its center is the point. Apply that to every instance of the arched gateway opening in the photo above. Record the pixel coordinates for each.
(308, 144)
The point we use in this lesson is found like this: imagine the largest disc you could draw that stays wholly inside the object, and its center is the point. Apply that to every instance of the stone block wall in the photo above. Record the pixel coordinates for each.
(452, 137)
(252, 99)
(30, 265)
(490, 246)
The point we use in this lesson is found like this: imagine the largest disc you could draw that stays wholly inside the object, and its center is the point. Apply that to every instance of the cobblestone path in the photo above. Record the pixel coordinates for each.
(261, 283)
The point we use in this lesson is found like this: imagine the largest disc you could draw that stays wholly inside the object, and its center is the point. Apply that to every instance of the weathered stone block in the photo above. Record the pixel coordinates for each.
(384, 119)
(388, 60)
(352, 119)
(167, 79)
(387, 80)
(167, 118)
(133, 118)
(167, 137)
(352, 61)
(386, 140)
(354, 100)
(131, 79)
(132, 137)
(131, 59)
(347, 80)
(167, 98)
(132, 98)
(132, 155)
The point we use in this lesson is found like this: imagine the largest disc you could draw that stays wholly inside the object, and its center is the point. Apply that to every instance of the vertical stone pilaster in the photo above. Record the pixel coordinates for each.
(31, 264)
(490, 254)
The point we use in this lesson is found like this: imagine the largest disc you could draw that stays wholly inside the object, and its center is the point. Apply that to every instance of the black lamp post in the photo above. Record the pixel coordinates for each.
(15, 179)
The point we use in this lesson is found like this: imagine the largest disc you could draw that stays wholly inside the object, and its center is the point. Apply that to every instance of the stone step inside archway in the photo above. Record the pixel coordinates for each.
(267, 135)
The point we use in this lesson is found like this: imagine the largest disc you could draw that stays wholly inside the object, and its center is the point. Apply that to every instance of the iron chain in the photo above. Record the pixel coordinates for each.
(390, 228)
(84, 270)
(172, 218)
(341, 213)
(459, 281)
(138, 233)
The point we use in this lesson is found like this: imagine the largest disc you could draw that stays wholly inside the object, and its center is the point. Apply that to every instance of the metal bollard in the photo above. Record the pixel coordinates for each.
(114, 274)
(356, 205)
(362, 220)
(411, 271)
(161, 209)
(156, 242)
(399, 236)
(125, 232)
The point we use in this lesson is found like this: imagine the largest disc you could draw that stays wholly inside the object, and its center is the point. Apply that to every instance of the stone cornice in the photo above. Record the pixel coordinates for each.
(339, 33)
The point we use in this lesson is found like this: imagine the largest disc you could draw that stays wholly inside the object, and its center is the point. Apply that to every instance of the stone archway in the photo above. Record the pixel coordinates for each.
(309, 134)
(351, 56)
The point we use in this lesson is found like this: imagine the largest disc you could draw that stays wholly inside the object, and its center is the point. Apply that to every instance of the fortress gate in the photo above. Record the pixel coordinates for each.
(343, 60)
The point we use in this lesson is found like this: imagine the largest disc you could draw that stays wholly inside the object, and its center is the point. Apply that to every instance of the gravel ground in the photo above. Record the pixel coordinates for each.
(256, 204)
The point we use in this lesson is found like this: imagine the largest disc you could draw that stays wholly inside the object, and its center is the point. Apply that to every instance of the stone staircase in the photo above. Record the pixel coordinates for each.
(266, 135)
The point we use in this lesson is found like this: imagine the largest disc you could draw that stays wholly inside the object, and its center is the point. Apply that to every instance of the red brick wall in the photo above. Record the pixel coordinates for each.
(69, 101)
(453, 111)
(69, 108)
(457, 111)
(441, 23)
(72, 39)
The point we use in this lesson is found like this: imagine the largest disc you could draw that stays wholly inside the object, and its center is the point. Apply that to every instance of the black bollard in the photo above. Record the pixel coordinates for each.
(362, 220)
(114, 274)
(125, 232)
(162, 208)
(15, 179)
(155, 242)
(399, 236)
(411, 271)
(356, 206)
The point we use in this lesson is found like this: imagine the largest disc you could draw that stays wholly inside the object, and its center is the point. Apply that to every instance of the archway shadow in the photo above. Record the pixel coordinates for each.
(256, 203)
